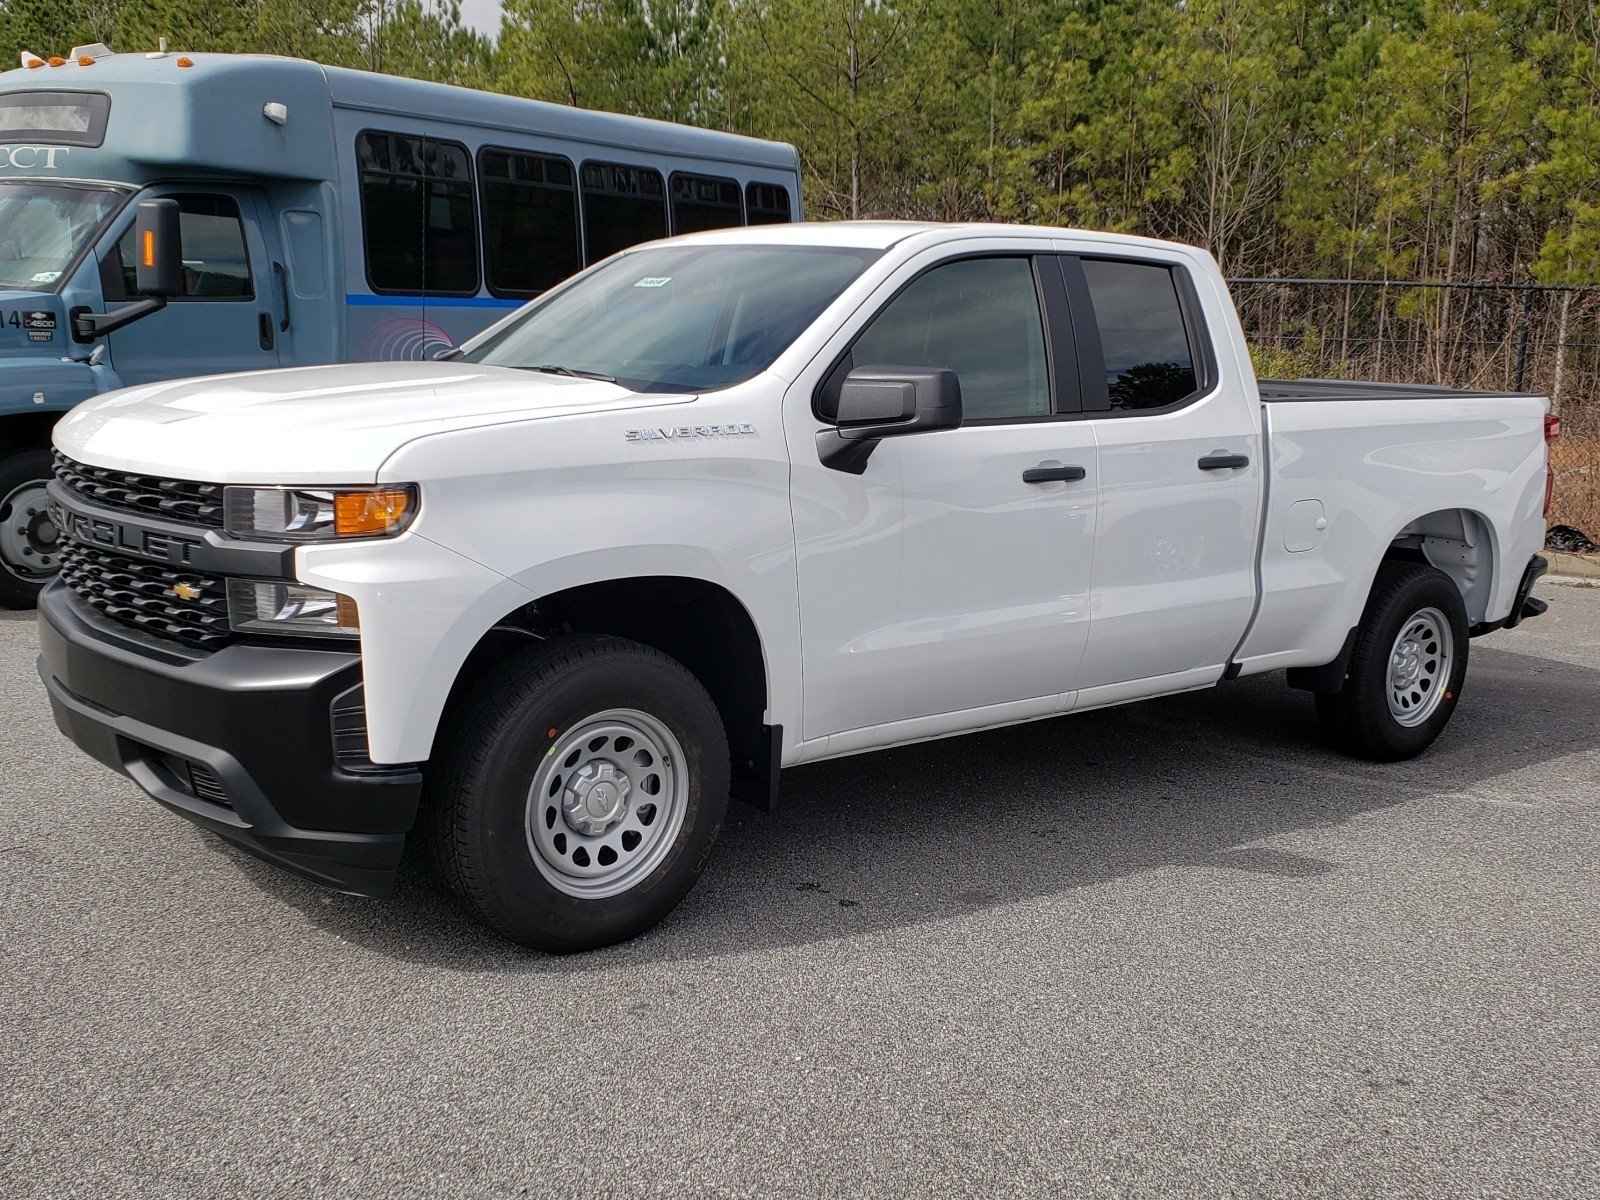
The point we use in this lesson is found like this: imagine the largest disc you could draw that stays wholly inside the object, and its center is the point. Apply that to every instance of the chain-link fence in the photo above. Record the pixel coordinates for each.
(1525, 337)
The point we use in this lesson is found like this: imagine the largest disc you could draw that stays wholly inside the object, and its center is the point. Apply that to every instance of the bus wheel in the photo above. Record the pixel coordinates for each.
(30, 543)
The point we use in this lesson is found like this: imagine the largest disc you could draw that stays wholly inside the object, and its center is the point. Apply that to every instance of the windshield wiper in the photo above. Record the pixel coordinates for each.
(573, 372)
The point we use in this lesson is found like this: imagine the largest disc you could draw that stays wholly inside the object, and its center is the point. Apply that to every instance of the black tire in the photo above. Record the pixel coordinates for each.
(477, 794)
(20, 586)
(1358, 718)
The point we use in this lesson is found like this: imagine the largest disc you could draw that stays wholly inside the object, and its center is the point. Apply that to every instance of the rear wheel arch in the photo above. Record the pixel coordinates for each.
(1461, 543)
(1457, 541)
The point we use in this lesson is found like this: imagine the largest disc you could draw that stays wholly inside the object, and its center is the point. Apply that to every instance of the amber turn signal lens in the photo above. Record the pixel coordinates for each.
(361, 513)
(185, 62)
(57, 61)
(148, 251)
(349, 615)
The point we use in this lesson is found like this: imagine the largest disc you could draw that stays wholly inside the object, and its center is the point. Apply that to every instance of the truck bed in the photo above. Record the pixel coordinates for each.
(1301, 391)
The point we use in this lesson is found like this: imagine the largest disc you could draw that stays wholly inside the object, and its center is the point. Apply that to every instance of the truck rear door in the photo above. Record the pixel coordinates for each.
(1181, 477)
(228, 318)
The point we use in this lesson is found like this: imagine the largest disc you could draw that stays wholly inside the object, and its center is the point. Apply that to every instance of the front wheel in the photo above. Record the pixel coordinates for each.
(30, 550)
(578, 792)
(1407, 668)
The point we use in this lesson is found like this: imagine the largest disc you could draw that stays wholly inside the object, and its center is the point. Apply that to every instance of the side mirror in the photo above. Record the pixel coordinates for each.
(157, 272)
(880, 402)
(158, 249)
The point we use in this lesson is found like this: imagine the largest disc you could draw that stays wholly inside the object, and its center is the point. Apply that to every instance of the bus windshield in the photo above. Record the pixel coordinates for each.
(43, 229)
(677, 319)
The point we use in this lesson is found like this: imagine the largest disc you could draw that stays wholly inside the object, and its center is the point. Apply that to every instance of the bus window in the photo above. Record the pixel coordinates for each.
(215, 264)
(530, 221)
(622, 206)
(704, 202)
(767, 203)
(418, 223)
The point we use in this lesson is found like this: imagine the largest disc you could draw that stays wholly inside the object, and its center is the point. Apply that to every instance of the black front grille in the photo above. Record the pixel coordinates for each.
(174, 499)
(150, 596)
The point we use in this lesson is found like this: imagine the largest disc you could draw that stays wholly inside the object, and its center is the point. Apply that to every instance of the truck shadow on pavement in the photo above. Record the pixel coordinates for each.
(928, 833)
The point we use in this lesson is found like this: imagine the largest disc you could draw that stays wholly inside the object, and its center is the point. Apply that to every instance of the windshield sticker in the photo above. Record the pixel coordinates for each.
(46, 276)
(654, 281)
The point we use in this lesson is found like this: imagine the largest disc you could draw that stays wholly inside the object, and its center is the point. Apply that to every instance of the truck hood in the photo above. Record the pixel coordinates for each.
(316, 424)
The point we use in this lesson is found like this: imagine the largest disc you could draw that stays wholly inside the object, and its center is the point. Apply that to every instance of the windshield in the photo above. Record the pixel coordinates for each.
(44, 227)
(678, 319)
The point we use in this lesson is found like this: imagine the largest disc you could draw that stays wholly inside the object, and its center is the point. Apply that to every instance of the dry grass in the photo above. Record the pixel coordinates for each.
(1576, 459)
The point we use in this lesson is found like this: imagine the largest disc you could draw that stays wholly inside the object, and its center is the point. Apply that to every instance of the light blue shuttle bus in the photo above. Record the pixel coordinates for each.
(326, 215)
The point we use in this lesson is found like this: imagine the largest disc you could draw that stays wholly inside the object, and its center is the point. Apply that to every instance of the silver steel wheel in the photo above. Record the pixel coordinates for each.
(1419, 667)
(30, 543)
(607, 803)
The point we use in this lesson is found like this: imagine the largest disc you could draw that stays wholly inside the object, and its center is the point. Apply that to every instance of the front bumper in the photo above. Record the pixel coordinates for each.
(240, 741)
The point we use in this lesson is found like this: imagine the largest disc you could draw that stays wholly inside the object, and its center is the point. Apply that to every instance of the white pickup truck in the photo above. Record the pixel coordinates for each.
(736, 501)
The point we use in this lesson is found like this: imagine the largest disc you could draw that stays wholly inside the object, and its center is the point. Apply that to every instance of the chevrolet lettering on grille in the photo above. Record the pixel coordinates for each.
(129, 539)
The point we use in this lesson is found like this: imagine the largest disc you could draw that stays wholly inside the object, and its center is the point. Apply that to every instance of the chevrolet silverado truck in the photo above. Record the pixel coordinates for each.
(736, 501)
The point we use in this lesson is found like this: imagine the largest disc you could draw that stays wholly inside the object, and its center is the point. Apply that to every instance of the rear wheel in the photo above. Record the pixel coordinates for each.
(1407, 668)
(30, 543)
(579, 792)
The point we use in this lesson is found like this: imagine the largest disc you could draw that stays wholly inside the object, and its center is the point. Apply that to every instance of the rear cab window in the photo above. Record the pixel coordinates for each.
(1144, 321)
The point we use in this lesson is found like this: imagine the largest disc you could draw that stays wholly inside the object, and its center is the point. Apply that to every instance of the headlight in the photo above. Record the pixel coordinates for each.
(317, 514)
(290, 610)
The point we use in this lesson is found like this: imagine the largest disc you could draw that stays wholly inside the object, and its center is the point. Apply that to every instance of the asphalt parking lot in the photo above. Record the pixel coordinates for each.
(1178, 948)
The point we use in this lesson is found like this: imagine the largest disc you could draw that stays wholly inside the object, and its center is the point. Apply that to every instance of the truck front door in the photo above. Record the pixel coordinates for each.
(953, 574)
(229, 315)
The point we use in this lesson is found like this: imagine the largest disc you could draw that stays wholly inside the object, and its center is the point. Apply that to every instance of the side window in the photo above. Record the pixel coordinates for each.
(419, 227)
(1149, 362)
(702, 202)
(530, 221)
(215, 263)
(767, 204)
(622, 206)
(980, 318)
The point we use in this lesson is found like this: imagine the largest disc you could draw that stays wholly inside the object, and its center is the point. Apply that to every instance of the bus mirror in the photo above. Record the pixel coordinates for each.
(158, 249)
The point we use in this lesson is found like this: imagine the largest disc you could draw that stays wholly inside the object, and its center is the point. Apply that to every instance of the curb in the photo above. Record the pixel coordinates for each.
(1577, 566)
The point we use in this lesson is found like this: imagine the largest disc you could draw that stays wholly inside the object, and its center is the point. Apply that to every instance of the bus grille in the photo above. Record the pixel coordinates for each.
(174, 499)
(141, 594)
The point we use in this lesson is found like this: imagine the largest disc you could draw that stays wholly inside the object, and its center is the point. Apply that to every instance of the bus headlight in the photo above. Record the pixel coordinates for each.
(290, 609)
(281, 514)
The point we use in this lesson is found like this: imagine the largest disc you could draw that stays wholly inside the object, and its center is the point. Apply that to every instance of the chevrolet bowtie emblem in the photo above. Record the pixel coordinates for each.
(184, 591)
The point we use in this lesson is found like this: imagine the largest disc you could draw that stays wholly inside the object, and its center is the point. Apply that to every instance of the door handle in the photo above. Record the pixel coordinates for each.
(264, 324)
(1053, 474)
(283, 291)
(1224, 462)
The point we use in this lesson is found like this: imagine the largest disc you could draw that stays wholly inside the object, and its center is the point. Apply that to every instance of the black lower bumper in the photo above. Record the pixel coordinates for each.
(239, 741)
